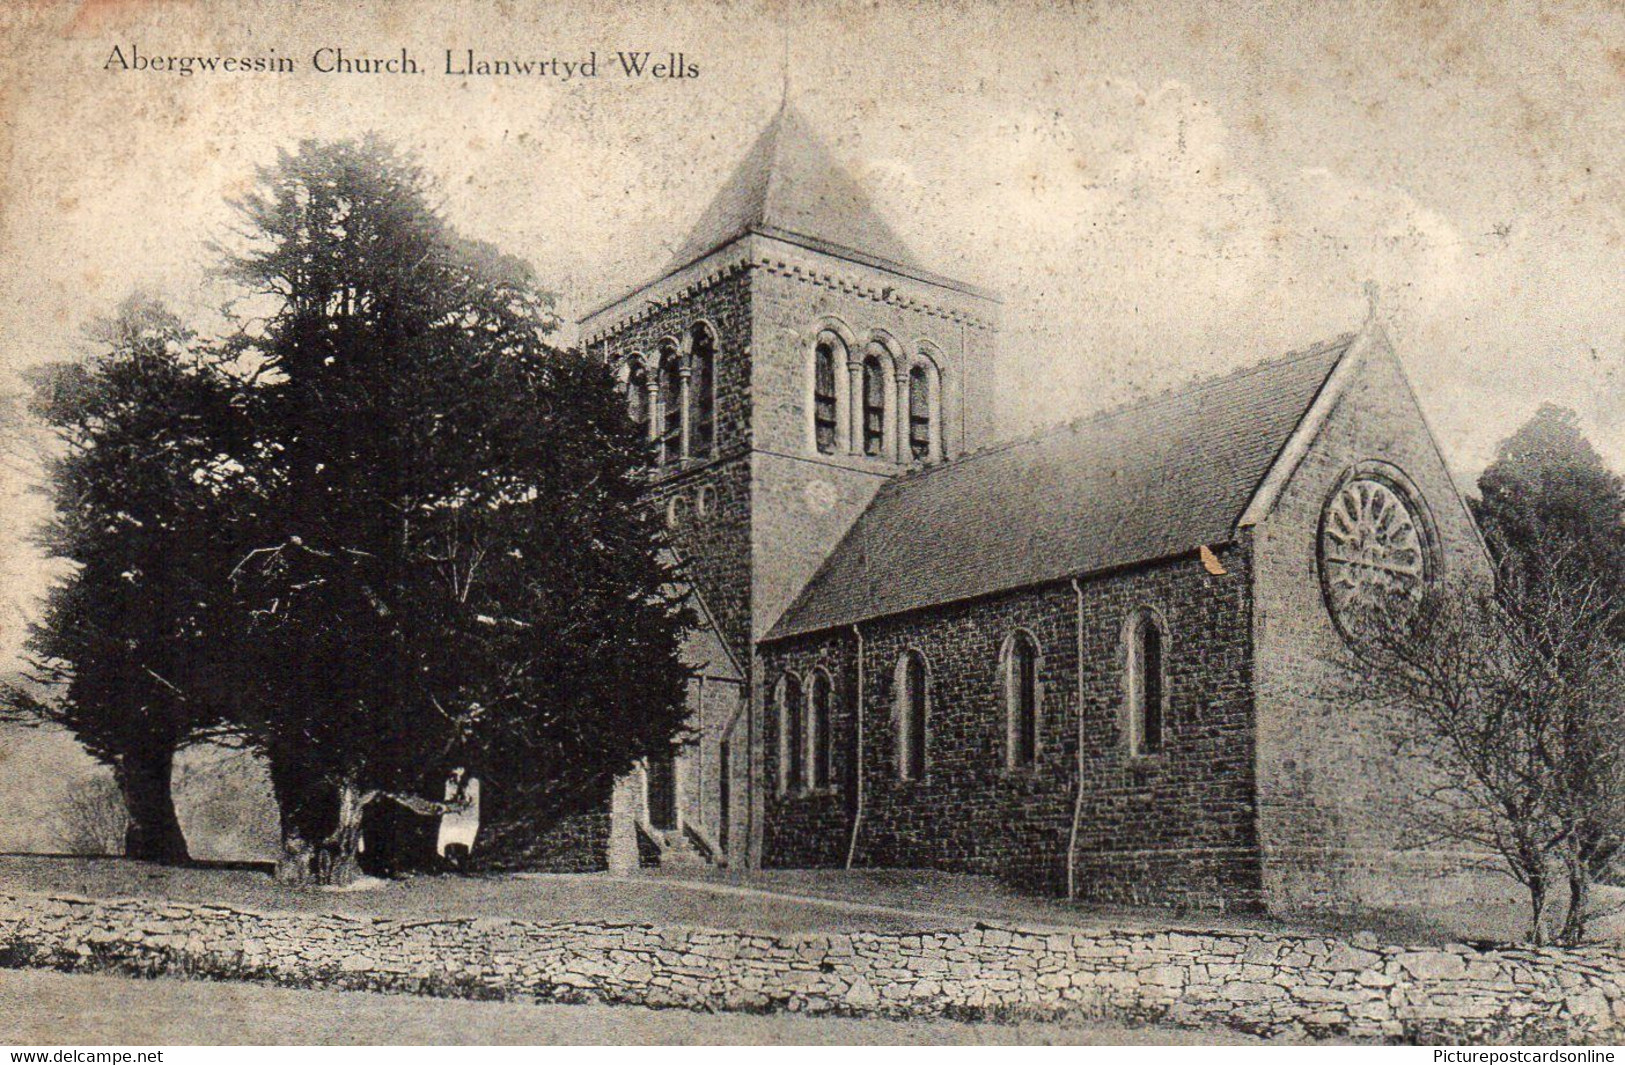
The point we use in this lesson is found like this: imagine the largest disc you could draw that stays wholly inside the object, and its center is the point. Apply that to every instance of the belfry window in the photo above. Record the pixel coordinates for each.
(1021, 700)
(702, 391)
(1147, 683)
(824, 396)
(637, 397)
(671, 404)
(821, 768)
(874, 406)
(792, 737)
(912, 710)
(919, 413)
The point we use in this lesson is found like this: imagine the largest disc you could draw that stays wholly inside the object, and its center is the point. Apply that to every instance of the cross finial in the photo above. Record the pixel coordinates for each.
(784, 72)
(1373, 295)
(784, 60)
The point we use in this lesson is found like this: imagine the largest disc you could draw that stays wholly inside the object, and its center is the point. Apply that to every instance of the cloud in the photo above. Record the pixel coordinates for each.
(1346, 232)
(1135, 249)
(1116, 238)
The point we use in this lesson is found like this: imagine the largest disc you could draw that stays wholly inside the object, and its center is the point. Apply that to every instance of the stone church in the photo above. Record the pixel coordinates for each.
(1089, 662)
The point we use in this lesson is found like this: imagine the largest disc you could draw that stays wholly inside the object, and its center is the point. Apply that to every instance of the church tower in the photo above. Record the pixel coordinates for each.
(790, 358)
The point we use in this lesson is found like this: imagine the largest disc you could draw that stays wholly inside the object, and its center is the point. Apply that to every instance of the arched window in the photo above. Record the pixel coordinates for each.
(1021, 699)
(919, 413)
(913, 707)
(792, 738)
(821, 756)
(702, 391)
(637, 396)
(874, 406)
(825, 371)
(1147, 683)
(671, 404)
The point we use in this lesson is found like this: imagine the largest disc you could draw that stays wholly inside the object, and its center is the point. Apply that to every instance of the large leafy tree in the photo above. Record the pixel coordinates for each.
(145, 430)
(450, 567)
(1551, 510)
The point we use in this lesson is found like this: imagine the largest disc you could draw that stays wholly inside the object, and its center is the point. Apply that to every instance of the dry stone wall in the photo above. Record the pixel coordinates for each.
(1252, 981)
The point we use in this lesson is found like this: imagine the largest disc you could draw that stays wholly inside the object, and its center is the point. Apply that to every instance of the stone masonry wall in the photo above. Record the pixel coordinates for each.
(715, 544)
(708, 516)
(773, 506)
(576, 844)
(1254, 982)
(1331, 790)
(805, 501)
(706, 504)
(1174, 827)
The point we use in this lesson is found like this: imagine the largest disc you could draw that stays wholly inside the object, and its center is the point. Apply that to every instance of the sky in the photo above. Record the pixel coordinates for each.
(1158, 190)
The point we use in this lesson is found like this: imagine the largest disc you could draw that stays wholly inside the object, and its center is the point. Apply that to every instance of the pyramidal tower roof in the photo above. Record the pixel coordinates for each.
(789, 184)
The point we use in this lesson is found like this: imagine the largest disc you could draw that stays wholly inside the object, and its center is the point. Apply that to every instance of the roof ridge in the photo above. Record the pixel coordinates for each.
(1076, 423)
(773, 135)
(1198, 384)
(1109, 489)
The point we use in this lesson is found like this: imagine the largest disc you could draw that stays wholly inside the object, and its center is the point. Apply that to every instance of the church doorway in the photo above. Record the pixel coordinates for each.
(662, 774)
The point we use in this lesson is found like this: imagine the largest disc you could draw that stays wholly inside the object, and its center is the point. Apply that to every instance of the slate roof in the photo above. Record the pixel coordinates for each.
(1142, 482)
(789, 183)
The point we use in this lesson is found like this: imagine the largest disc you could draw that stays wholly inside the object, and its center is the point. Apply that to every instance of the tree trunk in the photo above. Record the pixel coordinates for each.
(294, 864)
(154, 831)
(337, 863)
(321, 829)
(1537, 910)
(1578, 916)
(296, 804)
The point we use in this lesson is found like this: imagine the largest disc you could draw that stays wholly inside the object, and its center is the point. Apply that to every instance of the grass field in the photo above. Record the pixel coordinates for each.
(765, 903)
(768, 901)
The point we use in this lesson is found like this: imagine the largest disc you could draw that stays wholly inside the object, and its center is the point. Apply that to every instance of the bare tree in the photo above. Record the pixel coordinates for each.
(1553, 516)
(92, 818)
(1514, 703)
(1567, 628)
